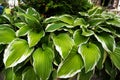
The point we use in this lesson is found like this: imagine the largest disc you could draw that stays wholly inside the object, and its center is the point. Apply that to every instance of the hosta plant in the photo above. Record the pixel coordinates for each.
(64, 46)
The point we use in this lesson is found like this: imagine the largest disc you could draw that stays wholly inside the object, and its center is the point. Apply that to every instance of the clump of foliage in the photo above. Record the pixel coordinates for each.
(78, 46)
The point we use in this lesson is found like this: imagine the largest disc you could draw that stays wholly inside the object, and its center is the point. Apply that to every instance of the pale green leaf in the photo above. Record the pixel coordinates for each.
(54, 26)
(79, 38)
(107, 41)
(67, 19)
(115, 57)
(29, 74)
(83, 14)
(34, 37)
(6, 34)
(90, 54)
(71, 65)
(16, 52)
(20, 24)
(42, 62)
(23, 31)
(86, 32)
(63, 44)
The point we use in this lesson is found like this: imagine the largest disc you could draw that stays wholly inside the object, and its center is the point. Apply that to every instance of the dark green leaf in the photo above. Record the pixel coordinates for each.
(63, 44)
(90, 54)
(6, 34)
(16, 52)
(115, 57)
(71, 65)
(29, 74)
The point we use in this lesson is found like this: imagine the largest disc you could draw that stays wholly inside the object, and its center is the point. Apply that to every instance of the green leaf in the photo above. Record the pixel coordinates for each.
(29, 74)
(86, 32)
(54, 26)
(23, 31)
(34, 37)
(107, 41)
(63, 44)
(42, 62)
(51, 19)
(85, 76)
(31, 11)
(114, 22)
(90, 54)
(79, 38)
(95, 21)
(1, 48)
(6, 34)
(83, 14)
(115, 57)
(67, 19)
(80, 22)
(20, 24)
(71, 65)
(16, 52)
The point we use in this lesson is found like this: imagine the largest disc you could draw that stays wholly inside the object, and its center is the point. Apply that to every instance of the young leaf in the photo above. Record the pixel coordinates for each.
(67, 19)
(29, 74)
(34, 37)
(71, 65)
(90, 54)
(54, 26)
(63, 44)
(16, 52)
(6, 34)
(79, 38)
(107, 41)
(42, 62)
(115, 57)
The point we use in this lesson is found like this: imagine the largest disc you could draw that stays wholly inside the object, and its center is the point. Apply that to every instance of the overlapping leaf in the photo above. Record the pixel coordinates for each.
(34, 37)
(16, 52)
(63, 44)
(71, 65)
(6, 34)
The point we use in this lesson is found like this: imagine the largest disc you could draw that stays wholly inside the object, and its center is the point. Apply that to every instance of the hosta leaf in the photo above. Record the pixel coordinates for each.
(1, 48)
(54, 26)
(63, 44)
(20, 24)
(31, 11)
(16, 52)
(107, 41)
(114, 22)
(90, 54)
(23, 31)
(86, 32)
(80, 22)
(115, 57)
(79, 38)
(29, 74)
(67, 19)
(6, 34)
(96, 21)
(51, 19)
(42, 63)
(85, 76)
(71, 65)
(83, 14)
(34, 37)
(107, 29)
